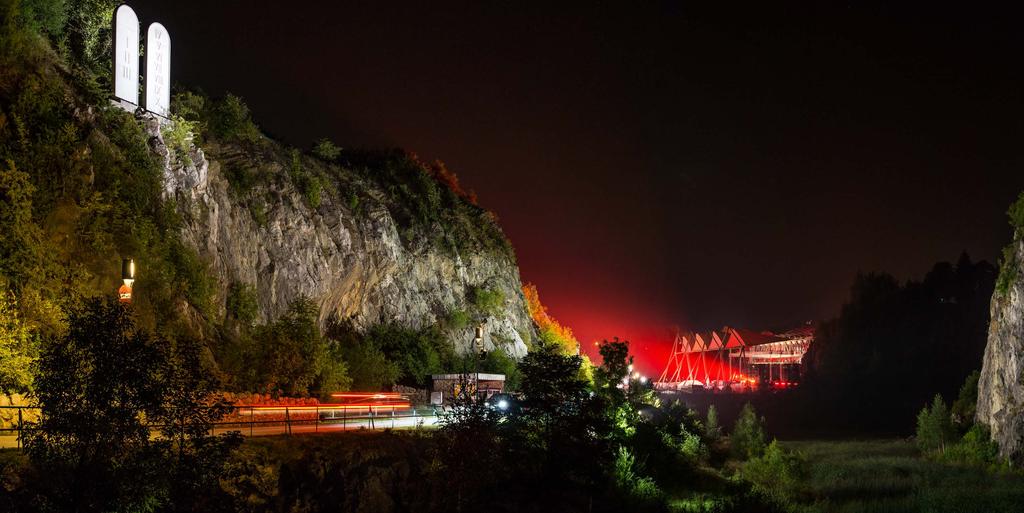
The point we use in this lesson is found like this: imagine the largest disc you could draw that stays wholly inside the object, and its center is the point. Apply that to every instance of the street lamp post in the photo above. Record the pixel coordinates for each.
(124, 294)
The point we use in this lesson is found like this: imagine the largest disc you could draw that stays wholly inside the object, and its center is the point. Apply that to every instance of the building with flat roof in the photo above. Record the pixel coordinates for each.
(445, 388)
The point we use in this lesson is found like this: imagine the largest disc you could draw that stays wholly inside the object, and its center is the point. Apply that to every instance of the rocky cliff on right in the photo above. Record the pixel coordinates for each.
(1001, 386)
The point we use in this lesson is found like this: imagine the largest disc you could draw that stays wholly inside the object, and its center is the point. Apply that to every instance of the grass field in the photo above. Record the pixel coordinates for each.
(890, 476)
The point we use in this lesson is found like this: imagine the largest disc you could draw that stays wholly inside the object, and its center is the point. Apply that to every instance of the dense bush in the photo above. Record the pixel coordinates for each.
(21, 241)
(418, 353)
(1008, 265)
(18, 349)
(748, 438)
(99, 386)
(777, 473)
(290, 356)
(488, 301)
(457, 320)
(964, 408)
(975, 448)
(934, 426)
(179, 135)
(231, 120)
(551, 331)
(242, 303)
(326, 150)
(712, 430)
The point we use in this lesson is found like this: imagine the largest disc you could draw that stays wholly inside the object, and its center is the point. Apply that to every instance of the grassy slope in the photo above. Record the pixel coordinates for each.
(890, 476)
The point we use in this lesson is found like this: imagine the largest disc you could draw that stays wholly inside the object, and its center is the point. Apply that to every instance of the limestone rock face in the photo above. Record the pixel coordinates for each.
(351, 260)
(1001, 385)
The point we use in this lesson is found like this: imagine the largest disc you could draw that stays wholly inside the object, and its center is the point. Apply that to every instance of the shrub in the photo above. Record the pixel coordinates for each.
(975, 448)
(748, 438)
(18, 348)
(488, 301)
(189, 106)
(307, 184)
(964, 407)
(231, 120)
(417, 353)
(457, 319)
(241, 179)
(178, 136)
(550, 330)
(241, 303)
(369, 367)
(1008, 265)
(639, 488)
(191, 274)
(259, 213)
(499, 362)
(21, 245)
(326, 150)
(934, 427)
(691, 447)
(777, 473)
(712, 431)
(291, 356)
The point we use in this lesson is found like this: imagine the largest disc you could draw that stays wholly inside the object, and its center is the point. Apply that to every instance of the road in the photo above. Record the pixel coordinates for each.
(299, 427)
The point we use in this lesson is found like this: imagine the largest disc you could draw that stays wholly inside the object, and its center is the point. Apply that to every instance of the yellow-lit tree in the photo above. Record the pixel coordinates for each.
(551, 331)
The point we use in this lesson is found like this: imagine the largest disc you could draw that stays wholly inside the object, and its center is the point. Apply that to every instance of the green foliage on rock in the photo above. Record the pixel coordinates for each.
(18, 349)
(179, 135)
(457, 320)
(231, 120)
(488, 301)
(1009, 267)
(965, 405)
(326, 150)
(241, 303)
(21, 241)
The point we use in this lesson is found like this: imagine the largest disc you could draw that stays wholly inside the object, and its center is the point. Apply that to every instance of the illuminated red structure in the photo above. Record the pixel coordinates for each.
(735, 359)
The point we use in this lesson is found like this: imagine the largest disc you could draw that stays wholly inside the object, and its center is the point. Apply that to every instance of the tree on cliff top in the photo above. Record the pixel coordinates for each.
(551, 331)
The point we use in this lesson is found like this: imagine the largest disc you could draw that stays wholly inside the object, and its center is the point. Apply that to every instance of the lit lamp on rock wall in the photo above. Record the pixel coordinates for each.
(124, 294)
(478, 340)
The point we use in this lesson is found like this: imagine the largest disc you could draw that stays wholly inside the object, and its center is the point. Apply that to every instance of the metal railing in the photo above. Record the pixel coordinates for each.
(272, 420)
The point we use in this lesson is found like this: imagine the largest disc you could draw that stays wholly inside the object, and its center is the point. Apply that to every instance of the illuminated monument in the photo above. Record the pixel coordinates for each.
(126, 55)
(158, 70)
(126, 62)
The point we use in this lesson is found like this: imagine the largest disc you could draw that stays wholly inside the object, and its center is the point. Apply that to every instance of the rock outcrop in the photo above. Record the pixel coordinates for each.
(348, 253)
(1001, 385)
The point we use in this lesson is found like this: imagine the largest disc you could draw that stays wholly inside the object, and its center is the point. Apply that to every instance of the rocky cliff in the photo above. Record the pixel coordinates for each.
(354, 248)
(1001, 385)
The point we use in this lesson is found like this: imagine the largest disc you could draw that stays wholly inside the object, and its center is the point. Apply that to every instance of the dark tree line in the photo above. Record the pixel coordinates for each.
(102, 386)
(893, 346)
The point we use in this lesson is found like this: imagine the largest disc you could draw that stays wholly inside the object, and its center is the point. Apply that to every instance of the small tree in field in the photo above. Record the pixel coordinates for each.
(712, 431)
(934, 426)
(748, 438)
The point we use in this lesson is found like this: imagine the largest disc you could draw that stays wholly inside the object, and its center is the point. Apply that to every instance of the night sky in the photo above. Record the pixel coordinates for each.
(656, 164)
